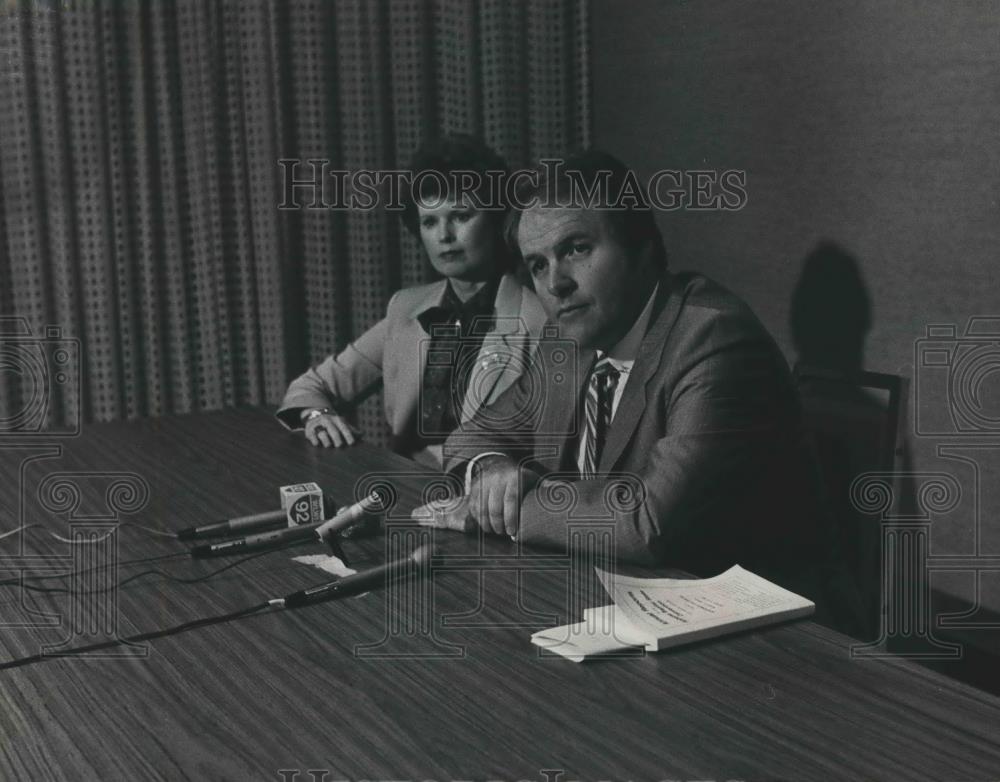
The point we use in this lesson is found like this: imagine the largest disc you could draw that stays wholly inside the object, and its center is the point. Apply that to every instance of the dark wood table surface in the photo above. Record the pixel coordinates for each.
(359, 688)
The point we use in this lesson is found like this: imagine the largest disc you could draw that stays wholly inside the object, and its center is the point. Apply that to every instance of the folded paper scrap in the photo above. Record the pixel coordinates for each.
(651, 614)
(450, 514)
(329, 563)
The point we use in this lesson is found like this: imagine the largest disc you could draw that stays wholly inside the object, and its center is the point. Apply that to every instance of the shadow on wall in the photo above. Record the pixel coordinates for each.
(850, 414)
(831, 311)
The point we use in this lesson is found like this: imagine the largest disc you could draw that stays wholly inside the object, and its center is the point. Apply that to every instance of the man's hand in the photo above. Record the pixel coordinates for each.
(496, 492)
(330, 429)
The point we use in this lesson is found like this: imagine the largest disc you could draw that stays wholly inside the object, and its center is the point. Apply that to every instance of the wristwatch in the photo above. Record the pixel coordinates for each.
(316, 412)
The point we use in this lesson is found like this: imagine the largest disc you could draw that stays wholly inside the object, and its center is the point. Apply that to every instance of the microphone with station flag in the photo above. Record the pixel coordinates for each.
(357, 583)
(315, 506)
(319, 530)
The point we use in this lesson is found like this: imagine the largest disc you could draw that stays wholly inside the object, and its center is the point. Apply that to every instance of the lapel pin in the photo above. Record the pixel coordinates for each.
(490, 358)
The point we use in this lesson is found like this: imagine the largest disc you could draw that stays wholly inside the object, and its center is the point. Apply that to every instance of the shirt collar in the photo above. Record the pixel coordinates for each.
(478, 304)
(449, 308)
(623, 354)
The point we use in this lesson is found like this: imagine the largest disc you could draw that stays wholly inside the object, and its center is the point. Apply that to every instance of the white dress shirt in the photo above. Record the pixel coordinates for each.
(622, 357)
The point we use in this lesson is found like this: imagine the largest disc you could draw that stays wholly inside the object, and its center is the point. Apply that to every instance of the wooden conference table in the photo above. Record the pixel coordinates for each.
(436, 683)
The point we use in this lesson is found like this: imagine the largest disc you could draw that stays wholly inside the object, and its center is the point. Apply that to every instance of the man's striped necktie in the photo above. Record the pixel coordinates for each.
(600, 395)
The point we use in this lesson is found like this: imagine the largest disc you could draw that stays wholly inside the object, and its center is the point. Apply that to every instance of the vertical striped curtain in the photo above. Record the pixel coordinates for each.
(140, 233)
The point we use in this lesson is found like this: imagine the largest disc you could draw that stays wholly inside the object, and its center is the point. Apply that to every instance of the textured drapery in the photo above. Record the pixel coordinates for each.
(139, 180)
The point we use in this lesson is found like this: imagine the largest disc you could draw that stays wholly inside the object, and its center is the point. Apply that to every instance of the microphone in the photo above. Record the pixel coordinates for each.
(271, 518)
(277, 537)
(357, 583)
(373, 502)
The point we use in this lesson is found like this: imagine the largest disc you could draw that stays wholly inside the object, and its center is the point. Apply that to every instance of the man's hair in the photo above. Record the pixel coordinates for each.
(446, 155)
(629, 219)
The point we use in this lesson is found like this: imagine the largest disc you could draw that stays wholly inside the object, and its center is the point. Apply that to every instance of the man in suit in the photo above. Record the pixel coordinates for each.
(678, 397)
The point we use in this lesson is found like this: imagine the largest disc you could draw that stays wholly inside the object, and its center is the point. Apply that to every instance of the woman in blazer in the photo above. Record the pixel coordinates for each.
(443, 349)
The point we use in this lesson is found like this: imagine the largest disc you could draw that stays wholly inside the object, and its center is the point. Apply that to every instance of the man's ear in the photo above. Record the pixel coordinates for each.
(645, 259)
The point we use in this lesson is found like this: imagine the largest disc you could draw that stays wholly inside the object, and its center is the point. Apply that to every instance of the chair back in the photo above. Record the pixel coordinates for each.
(853, 419)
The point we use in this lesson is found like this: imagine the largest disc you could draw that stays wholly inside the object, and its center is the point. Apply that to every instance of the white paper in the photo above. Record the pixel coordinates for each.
(599, 634)
(664, 607)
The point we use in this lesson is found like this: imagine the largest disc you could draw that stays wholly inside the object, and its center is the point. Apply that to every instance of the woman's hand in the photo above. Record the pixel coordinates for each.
(330, 429)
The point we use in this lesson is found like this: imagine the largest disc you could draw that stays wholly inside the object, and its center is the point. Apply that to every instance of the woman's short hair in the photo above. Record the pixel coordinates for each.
(444, 159)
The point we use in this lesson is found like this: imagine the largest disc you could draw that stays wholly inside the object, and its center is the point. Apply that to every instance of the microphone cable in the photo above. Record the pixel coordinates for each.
(20, 580)
(326, 591)
(45, 576)
(136, 576)
(61, 539)
(139, 638)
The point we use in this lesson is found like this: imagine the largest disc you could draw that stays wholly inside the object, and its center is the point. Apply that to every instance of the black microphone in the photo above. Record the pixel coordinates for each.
(263, 540)
(271, 518)
(357, 583)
